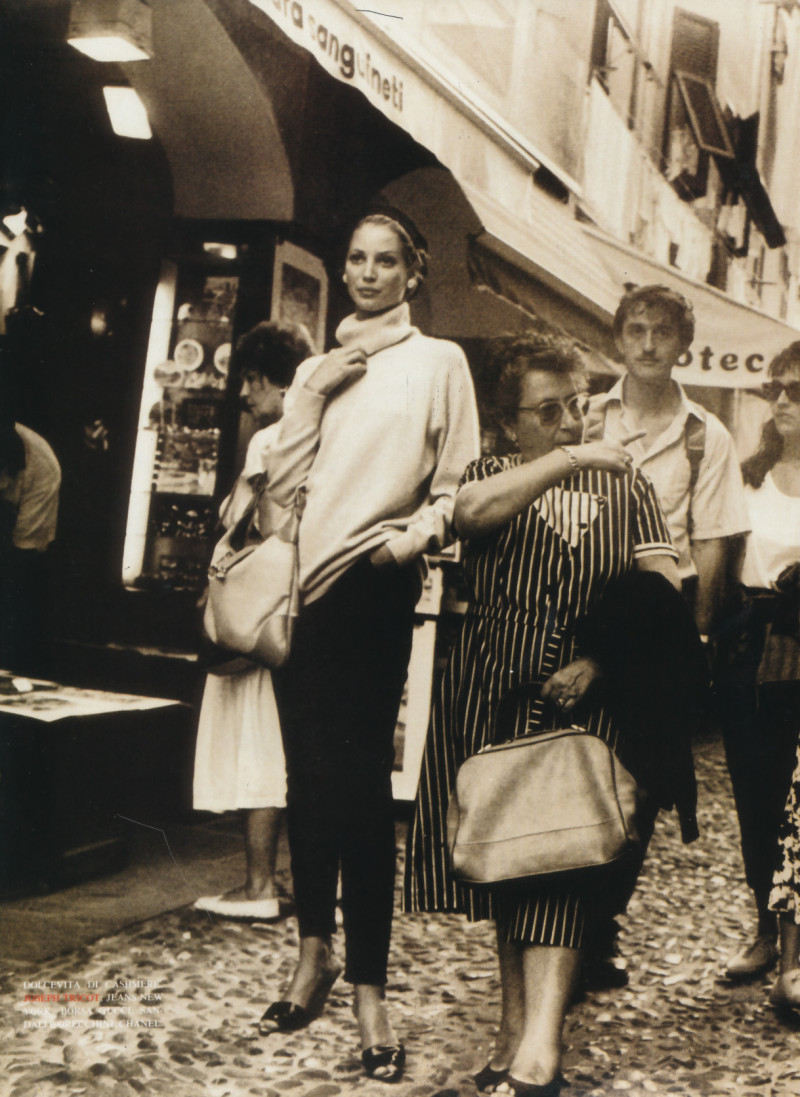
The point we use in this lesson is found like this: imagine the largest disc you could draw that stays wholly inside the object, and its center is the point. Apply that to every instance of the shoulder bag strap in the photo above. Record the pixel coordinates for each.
(695, 444)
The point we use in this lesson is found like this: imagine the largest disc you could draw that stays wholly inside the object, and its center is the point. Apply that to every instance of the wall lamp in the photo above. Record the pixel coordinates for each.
(127, 113)
(14, 223)
(112, 30)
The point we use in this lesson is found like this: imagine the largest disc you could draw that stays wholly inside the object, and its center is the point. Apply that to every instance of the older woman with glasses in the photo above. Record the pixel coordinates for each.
(758, 679)
(546, 531)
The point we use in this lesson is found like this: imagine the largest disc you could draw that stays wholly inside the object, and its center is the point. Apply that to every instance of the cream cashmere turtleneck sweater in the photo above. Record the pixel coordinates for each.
(382, 458)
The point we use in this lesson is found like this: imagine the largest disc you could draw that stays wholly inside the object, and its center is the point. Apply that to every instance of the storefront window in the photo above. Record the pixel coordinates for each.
(173, 511)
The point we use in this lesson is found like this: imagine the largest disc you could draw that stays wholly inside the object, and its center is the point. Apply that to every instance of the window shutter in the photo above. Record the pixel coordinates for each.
(691, 107)
(695, 45)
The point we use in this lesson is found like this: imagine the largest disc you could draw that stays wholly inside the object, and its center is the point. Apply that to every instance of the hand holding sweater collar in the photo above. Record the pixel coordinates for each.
(377, 332)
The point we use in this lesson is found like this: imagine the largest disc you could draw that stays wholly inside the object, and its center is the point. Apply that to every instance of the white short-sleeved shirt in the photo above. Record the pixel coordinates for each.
(34, 492)
(717, 506)
(775, 538)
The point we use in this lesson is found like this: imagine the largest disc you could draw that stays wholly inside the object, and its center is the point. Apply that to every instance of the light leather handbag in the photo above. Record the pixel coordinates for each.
(253, 591)
(553, 802)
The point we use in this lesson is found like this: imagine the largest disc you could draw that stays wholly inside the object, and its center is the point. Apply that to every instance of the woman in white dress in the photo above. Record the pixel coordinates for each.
(239, 761)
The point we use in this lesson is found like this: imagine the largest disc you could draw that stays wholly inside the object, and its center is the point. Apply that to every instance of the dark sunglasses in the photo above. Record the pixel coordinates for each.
(549, 412)
(772, 390)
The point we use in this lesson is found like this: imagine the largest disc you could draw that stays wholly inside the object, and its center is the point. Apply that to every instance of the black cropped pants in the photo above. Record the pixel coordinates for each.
(338, 698)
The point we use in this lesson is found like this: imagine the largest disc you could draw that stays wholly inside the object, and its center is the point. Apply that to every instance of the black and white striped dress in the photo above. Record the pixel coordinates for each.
(531, 582)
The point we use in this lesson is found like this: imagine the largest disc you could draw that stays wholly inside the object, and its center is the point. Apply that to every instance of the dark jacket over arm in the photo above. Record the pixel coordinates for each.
(655, 679)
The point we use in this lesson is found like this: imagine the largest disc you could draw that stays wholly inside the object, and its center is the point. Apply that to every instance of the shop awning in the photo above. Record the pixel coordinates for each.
(543, 264)
(531, 251)
(429, 106)
(733, 343)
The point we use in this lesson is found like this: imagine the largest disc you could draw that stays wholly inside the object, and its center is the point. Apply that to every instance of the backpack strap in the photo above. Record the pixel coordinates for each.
(694, 441)
(695, 444)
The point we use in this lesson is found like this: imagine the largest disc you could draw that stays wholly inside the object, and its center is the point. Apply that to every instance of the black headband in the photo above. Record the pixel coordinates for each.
(402, 219)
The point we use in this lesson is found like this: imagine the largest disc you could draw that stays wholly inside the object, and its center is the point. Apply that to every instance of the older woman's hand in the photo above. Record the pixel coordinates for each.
(339, 366)
(611, 456)
(570, 684)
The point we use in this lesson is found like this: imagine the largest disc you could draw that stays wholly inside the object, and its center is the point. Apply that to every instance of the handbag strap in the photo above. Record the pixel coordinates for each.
(506, 715)
(243, 529)
(262, 518)
(279, 521)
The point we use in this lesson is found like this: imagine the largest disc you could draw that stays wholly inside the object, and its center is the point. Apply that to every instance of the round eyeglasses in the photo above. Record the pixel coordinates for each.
(549, 412)
(772, 390)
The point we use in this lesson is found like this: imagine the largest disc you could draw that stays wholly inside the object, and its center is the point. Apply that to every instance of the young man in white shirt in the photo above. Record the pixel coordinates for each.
(684, 449)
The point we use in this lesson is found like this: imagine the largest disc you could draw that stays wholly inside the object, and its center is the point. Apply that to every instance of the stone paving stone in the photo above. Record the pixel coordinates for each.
(678, 1028)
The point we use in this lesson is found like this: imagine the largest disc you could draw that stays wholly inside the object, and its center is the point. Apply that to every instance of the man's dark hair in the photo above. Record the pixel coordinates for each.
(642, 296)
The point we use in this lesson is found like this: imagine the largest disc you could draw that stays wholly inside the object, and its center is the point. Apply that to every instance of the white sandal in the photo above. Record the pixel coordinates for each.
(263, 909)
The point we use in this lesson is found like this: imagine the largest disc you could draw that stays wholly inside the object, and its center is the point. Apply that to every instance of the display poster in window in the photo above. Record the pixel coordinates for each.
(300, 291)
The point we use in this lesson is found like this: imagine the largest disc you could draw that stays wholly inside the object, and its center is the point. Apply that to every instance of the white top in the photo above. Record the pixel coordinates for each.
(716, 507)
(388, 450)
(775, 539)
(34, 492)
(255, 462)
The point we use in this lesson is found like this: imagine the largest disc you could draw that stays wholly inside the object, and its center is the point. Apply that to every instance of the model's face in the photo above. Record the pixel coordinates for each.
(262, 398)
(785, 412)
(651, 343)
(375, 271)
(549, 413)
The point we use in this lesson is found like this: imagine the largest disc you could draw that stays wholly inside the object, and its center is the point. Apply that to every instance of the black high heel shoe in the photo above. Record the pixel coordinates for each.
(513, 1087)
(284, 1016)
(487, 1078)
(384, 1062)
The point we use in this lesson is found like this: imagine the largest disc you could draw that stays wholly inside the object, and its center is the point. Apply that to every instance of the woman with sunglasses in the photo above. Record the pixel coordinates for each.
(546, 531)
(758, 682)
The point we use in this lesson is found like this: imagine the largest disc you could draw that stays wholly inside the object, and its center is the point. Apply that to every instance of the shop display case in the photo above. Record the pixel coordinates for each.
(172, 516)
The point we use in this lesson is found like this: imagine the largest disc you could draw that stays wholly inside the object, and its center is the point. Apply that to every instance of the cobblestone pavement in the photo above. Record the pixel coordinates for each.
(678, 1028)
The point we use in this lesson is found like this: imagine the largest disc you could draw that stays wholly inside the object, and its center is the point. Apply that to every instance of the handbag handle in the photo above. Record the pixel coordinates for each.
(507, 710)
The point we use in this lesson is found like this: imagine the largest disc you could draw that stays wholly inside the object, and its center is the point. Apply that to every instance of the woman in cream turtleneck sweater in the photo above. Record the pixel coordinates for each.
(380, 429)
